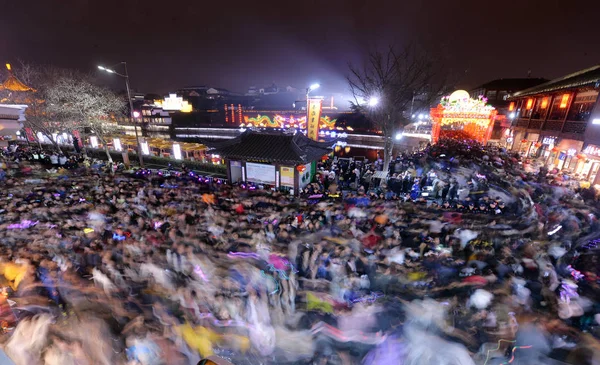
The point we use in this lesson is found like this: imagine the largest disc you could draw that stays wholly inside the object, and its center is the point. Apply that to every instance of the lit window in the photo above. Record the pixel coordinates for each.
(564, 101)
(511, 106)
(529, 103)
(544, 103)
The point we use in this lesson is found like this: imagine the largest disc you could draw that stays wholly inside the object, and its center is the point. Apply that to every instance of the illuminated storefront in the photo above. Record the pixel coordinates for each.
(460, 117)
(590, 168)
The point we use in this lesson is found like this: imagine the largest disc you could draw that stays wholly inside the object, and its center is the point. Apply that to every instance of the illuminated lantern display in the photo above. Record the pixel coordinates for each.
(529, 104)
(523, 141)
(544, 103)
(300, 168)
(555, 149)
(511, 106)
(347, 149)
(337, 148)
(564, 101)
(460, 117)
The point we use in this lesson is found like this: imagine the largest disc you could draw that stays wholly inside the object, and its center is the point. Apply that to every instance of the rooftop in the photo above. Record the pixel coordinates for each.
(272, 146)
(512, 84)
(589, 76)
(13, 84)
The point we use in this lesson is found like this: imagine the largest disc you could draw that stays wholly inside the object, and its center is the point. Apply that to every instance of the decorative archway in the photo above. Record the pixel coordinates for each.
(458, 116)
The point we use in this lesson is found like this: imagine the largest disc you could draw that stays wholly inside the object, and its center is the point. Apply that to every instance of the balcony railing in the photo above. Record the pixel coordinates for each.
(553, 125)
(535, 124)
(574, 127)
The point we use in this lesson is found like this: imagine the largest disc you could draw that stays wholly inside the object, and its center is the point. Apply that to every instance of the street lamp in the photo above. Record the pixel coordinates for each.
(131, 116)
(309, 89)
(373, 101)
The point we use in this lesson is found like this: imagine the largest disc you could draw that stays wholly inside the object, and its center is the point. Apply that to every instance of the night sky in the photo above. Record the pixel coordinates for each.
(235, 44)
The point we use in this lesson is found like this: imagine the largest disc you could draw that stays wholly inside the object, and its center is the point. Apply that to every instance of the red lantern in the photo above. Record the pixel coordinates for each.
(538, 145)
(555, 149)
(523, 141)
(581, 156)
(300, 168)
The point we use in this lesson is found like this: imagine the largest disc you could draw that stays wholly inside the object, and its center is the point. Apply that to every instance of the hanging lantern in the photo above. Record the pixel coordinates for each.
(325, 158)
(300, 168)
(523, 141)
(555, 149)
(581, 156)
(337, 148)
(538, 145)
(347, 149)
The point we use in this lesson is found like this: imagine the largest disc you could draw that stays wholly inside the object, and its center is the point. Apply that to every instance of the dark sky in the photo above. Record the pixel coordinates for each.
(233, 44)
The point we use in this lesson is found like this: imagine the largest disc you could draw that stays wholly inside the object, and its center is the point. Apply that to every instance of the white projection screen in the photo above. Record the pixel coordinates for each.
(260, 173)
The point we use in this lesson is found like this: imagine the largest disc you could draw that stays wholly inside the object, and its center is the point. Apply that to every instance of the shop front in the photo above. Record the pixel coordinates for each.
(567, 155)
(590, 167)
(546, 149)
(528, 145)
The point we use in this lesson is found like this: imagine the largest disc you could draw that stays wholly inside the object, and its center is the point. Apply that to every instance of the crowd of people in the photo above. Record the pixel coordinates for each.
(493, 265)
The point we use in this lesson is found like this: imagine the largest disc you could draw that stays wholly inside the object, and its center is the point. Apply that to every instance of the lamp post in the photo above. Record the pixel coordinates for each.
(309, 89)
(131, 117)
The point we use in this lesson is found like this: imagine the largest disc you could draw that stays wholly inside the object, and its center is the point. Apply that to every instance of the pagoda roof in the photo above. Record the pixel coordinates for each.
(272, 146)
(14, 84)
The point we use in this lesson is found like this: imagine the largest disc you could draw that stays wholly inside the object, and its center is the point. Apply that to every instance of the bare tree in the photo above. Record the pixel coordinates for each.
(389, 83)
(75, 97)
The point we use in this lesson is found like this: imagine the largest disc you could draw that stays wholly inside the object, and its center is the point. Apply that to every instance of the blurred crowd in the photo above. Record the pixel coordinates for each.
(472, 261)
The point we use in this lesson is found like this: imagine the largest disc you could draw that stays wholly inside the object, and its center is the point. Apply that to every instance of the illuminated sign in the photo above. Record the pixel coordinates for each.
(571, 152)
(314, 116)
(174, 102)
(549, 140)
(177, 151)
(592, 150)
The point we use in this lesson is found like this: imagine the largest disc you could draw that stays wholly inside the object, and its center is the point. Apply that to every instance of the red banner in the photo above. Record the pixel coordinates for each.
(76, 135)
(29, 135)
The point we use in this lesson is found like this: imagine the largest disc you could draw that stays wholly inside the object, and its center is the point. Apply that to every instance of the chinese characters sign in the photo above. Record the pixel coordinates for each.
(314, 115)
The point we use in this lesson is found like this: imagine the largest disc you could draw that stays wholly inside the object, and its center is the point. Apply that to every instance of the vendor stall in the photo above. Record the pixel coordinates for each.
(271, 158)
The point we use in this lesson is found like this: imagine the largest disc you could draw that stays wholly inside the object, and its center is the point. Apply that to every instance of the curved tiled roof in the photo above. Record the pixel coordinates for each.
(13, 84)
(272, 146)
(589, 76)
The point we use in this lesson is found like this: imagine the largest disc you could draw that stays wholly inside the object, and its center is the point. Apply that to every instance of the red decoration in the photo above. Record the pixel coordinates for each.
(581, 156)
(538, 145)
(300, 168)
(523, 141)
(555, 149)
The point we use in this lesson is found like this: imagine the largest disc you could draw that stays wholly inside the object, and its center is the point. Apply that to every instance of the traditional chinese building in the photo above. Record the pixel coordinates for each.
(558, 122)
(277, 159)
(13, 98)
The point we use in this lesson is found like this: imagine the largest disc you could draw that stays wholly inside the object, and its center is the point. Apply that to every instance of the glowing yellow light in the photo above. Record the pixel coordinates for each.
(8, 67)
(564, 101)
(544, 103)
(529, 103)
(511, 107)
(186, 107)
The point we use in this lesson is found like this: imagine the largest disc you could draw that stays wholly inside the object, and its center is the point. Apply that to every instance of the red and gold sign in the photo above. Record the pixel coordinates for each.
(460, 117)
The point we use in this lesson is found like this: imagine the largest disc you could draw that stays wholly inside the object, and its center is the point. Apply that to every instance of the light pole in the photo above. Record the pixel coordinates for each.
(131, 117)
(308, 90)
